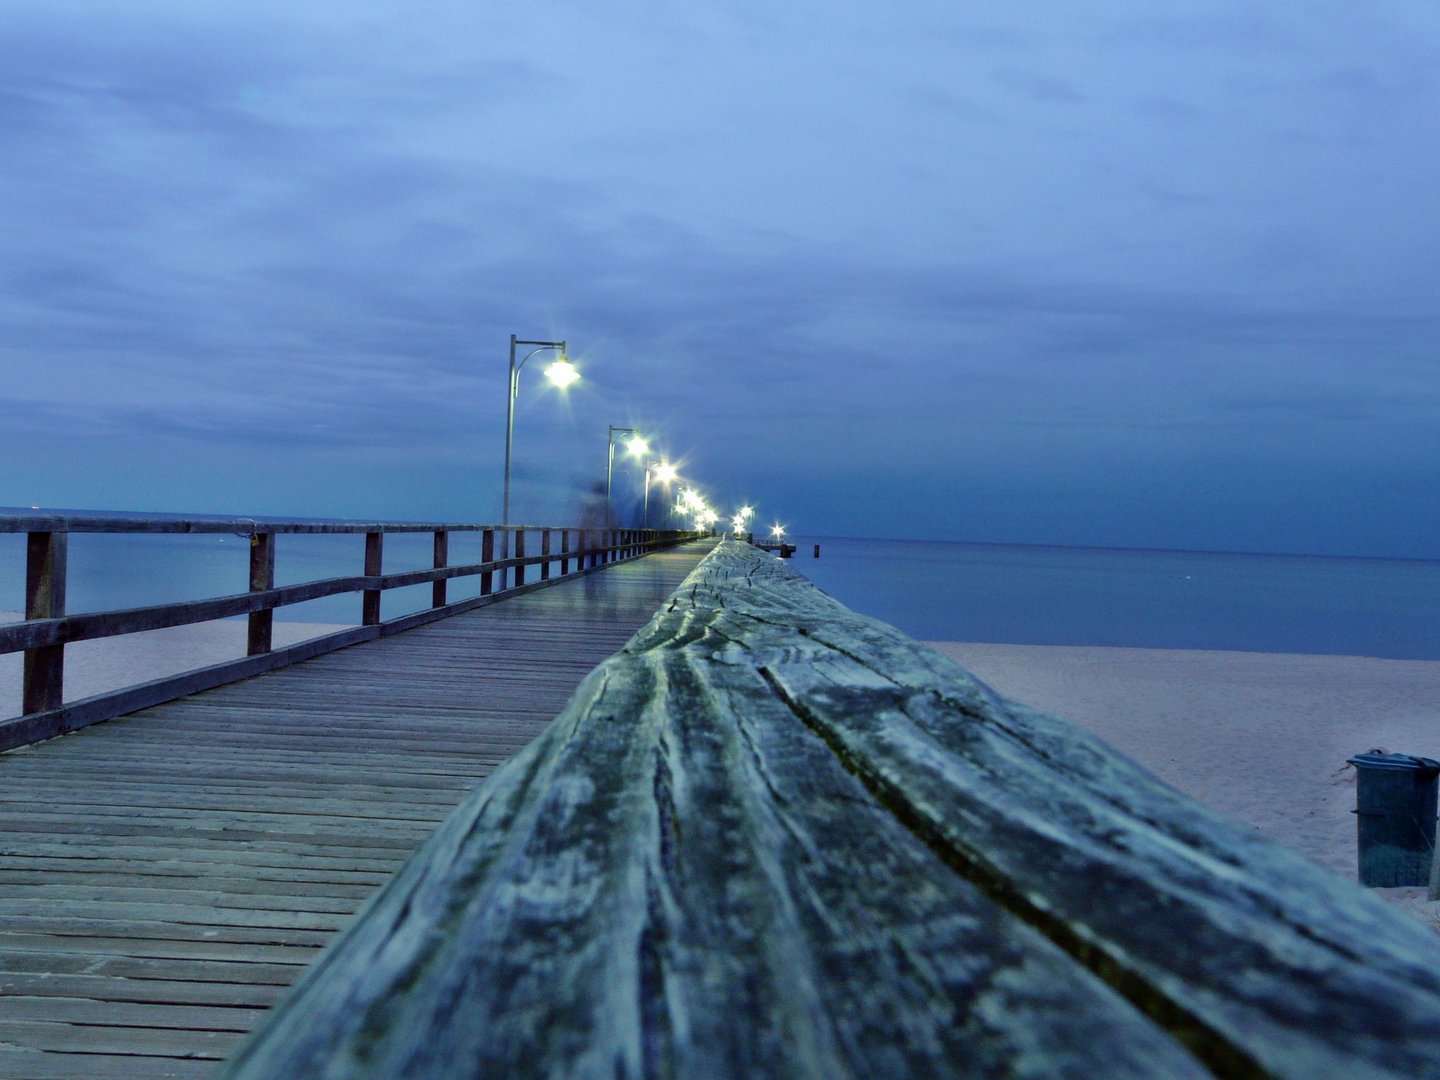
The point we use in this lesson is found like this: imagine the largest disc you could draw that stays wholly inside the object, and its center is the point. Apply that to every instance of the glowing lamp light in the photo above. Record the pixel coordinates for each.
(777, 531)
(562, 373)
(666, 473)
(637, 446)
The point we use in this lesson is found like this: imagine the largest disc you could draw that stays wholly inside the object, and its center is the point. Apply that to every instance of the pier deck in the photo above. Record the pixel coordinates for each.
(164, 876)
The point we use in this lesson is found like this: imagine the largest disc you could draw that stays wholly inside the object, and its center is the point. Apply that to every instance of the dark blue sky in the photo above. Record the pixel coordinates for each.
(1117, 274)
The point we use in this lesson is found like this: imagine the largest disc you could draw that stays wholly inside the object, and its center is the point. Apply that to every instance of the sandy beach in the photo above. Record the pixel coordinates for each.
(1261, 738)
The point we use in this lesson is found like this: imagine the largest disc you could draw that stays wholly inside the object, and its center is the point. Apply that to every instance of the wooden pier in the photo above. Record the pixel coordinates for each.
(165, 875)
(767, 837)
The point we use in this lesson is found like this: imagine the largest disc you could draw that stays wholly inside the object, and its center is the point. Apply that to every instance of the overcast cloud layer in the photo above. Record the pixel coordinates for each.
(1120, 274)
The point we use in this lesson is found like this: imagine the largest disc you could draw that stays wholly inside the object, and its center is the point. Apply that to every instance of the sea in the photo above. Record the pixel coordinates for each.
(932, 590)
(1040, 595)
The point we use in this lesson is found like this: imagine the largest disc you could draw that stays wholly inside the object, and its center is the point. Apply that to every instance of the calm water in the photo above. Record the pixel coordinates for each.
(931, 590)
(1151, 599)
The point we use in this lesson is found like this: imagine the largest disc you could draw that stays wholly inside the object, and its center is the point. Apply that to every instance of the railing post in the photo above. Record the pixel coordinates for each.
(442, 556)
(43, 688)
(545, 554)
(564, 552)
(519, 554)
(487, 554)
(262, 577)
(370, 605)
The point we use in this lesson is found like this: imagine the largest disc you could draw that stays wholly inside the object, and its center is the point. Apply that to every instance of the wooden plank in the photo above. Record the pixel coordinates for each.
(52, 962)
(778, 838)
(62, 943)
(87, 1039)
(38, 1065)
(339, 875)
(253, 858)
(147, 991)
(214, 895)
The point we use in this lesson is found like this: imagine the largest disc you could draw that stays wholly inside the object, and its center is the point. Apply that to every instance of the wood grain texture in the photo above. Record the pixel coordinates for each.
(163, 876)
(774, 838)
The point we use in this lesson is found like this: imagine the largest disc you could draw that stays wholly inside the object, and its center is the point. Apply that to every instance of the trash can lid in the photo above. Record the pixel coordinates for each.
(1375, 760)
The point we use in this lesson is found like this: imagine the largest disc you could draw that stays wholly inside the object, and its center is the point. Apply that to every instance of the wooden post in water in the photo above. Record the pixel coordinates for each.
(487, 554)
(370, 606)
(262, 577)
(44, 678)
(441, 560)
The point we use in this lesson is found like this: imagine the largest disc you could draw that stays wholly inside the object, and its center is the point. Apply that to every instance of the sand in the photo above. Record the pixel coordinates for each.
(1260, 738)
(92, 667)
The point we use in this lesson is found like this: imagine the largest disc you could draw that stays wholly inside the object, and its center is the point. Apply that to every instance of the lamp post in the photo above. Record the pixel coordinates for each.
(638, 446)
(562, 373)
(664, 473)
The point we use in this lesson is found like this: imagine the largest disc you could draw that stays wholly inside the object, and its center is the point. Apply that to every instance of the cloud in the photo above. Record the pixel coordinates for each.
(802, 248)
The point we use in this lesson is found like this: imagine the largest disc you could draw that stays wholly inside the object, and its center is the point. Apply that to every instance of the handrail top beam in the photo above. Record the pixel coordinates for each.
(118, 523)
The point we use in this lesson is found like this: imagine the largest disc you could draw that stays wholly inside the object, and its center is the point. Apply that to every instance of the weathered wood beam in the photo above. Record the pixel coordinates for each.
(370, 598)
(262, 579)
(487, 556)
(43, 678)
(441, 555)
(105, 523)
(775, 838)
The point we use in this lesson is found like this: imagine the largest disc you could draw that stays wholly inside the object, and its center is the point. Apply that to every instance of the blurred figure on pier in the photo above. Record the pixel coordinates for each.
(595, 519)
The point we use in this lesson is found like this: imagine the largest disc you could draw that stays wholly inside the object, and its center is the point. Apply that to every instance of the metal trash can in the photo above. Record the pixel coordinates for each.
(1395, 818)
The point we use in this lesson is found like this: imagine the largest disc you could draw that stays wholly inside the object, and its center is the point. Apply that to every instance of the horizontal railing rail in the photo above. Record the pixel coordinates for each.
(47, 627)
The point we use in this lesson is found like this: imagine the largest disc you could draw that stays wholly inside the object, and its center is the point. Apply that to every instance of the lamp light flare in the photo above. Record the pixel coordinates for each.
(637, 446)
(666, 473)
(562, 373)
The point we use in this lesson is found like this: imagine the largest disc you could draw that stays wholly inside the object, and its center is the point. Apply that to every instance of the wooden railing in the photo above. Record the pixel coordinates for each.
(771, 837)
(563, 551)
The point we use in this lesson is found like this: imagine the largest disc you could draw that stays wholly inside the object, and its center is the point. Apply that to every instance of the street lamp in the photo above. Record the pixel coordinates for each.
(561, 373)
(635, 445)
(664, 473)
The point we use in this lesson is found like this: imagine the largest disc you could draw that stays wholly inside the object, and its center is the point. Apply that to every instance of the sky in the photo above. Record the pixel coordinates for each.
(1115, 274)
